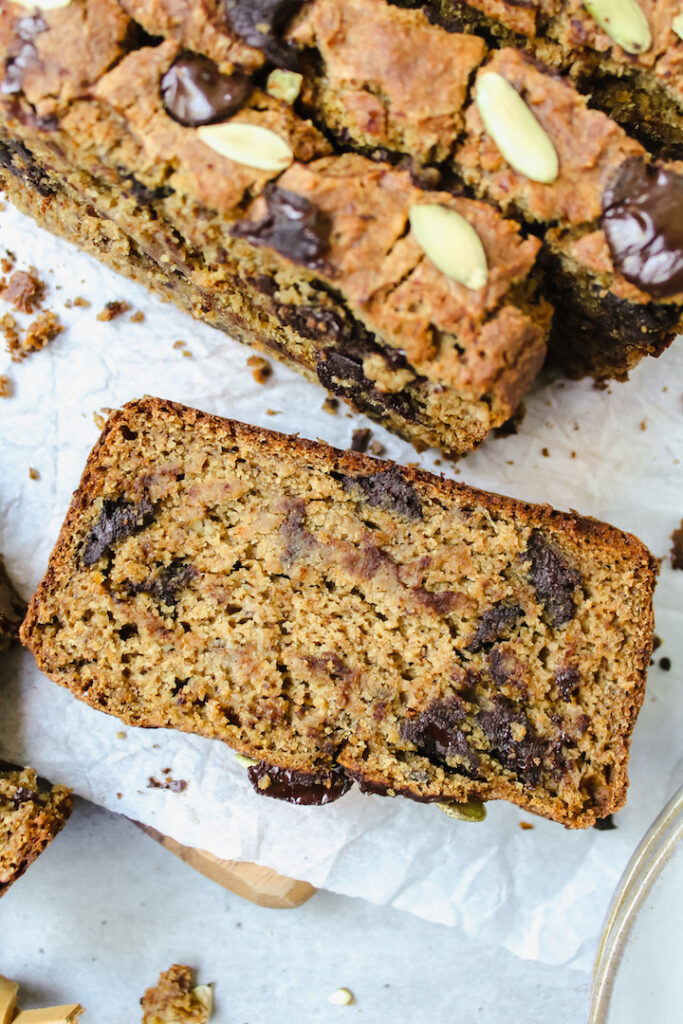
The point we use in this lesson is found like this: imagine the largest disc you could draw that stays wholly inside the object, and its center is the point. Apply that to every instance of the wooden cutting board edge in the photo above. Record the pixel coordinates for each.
(252, 882)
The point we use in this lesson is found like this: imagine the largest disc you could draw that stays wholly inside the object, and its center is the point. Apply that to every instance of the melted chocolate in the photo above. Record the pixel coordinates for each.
(437, 735)
(117, 520)
(299, 787)
(524, 756)
(195, 92)
(494, 624)
(261, 23)
(389, 490)
(292, 226)
(553, 578)
(643, 223)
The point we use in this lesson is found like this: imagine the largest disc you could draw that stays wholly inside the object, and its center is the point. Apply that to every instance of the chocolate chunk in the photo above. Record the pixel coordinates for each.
(166, 584)
(293, 226)
(643, 224)
(118, 519)
(553, 579)
(262, 23)
(341, 372)
(437, 735)
(360, 439)
(567, 680)
(605, 824)
(313, 323)
(522, 756)
(29, 170)
(23, 795)
(195, 92)
(298, 541)
(299, 787)
(144, 195)
(507, 670)
(677, 548)
(388, 490)
(494, 624)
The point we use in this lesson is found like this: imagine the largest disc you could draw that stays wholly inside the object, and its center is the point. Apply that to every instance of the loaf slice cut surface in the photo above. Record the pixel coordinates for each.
(337, 617)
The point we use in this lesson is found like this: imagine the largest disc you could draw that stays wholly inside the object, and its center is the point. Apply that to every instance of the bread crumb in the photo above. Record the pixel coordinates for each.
(137, 317)
(545, 453)
(273, 412)
(80, 301)
(6, 387)
(113, 309)
(330, 406)
(41, 332)
(526, 825)
(10, 332)
(7, 262)
(120, 735)
(175, 785)
(187, 353)
(33, 473)
(99, 419)
(24, 290)
(179, 344)
(376, 448)
(260, 368)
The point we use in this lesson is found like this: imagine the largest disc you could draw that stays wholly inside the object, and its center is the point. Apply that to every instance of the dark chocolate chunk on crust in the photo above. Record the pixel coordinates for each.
(388, 489)
(303, 788)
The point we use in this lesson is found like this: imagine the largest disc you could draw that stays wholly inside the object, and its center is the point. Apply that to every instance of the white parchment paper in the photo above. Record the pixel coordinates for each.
(616, 454)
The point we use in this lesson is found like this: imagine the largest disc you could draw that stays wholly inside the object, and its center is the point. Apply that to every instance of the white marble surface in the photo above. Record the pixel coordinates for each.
(105, 909)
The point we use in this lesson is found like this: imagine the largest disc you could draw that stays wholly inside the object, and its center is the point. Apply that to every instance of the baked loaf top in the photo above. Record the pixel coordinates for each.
(337, 617)
(31, 815)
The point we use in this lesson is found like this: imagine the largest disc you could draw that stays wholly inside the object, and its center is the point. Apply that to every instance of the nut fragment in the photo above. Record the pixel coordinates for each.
(450, 242)
(624, 22)
(43, 5)
(677, 25)
(342, 997)
(244, 761)
(473, 810)
(520, 138)
(204, 995)
(284, 85)
(248, 144)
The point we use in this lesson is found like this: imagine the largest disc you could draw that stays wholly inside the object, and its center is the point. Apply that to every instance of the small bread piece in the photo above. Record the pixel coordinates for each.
(337, 617)
(12, 610)
(31, 815)
(174, 1000)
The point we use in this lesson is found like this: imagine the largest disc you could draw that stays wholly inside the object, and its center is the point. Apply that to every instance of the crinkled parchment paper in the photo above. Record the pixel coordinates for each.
(615, 454)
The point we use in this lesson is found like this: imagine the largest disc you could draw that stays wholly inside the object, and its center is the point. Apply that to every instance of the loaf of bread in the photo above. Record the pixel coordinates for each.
(391, 205)
(338, 618)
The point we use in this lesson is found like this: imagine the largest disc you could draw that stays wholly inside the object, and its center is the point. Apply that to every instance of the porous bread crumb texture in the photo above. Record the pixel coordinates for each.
(31, 815)
(316, 609)
(173, 1001)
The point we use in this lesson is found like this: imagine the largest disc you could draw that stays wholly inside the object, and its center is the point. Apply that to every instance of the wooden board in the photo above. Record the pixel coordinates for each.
(250, 881)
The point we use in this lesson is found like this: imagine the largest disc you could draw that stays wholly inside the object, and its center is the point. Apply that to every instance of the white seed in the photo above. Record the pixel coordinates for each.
(284, 85)
(248, 144)
(514, 129)
(473, 810)
(204, 995)
(244, 761)
(677, 25)
(450, 242)
(342, 997)
(624, 22)
(43, 5)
